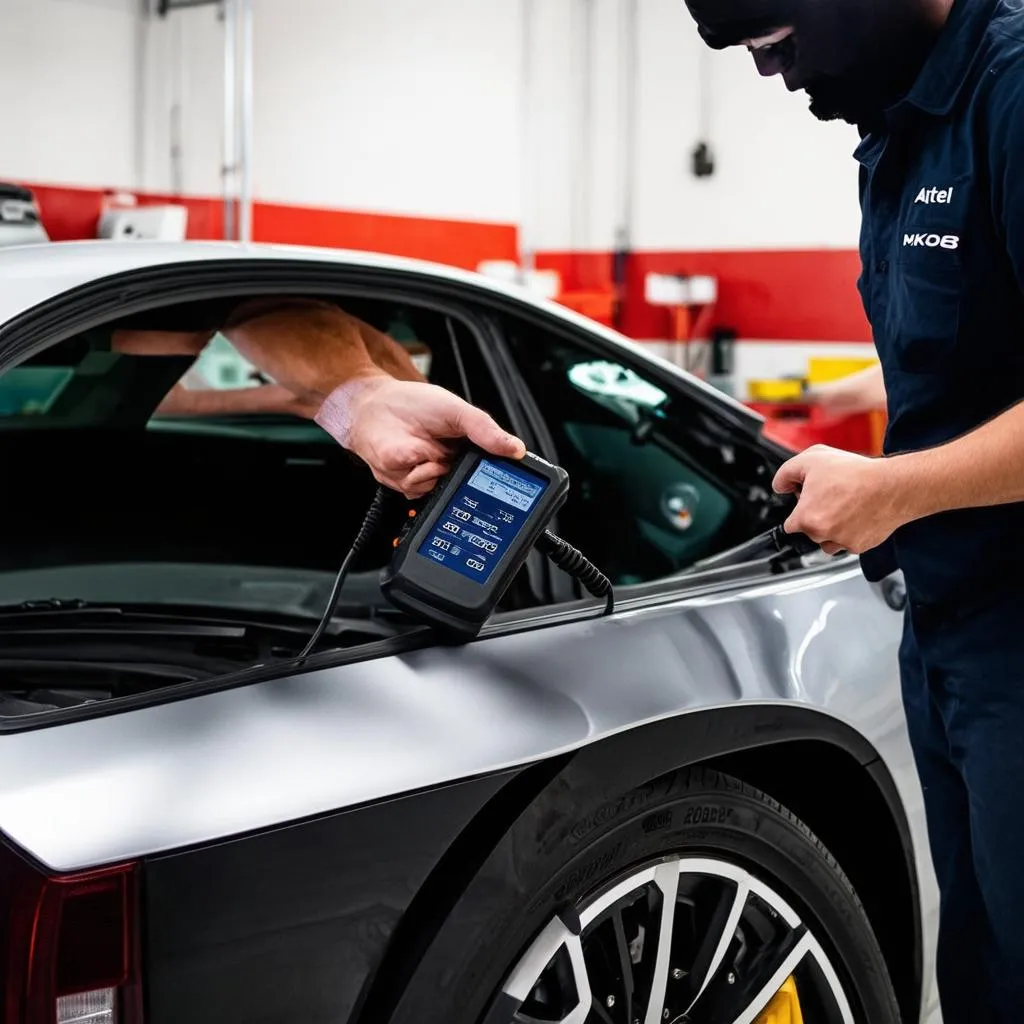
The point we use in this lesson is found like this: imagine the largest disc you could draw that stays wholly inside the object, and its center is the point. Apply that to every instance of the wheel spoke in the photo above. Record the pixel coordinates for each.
(556, 936)
(625, 963)
(720, 936)
(740, 1001)
(582, 981)
(666, 878)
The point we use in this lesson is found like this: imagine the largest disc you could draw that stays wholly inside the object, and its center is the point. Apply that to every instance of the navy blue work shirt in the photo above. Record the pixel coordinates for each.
(942, 249)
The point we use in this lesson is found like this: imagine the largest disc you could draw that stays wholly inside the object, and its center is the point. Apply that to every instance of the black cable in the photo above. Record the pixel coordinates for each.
(575, 563)
(373, 514)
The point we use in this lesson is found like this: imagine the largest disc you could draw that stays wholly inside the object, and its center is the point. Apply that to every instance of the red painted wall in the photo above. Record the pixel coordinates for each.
(763, 295)
(73, 213)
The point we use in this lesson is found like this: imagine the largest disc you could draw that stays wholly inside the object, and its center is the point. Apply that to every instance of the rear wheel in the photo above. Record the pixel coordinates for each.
(697, 900)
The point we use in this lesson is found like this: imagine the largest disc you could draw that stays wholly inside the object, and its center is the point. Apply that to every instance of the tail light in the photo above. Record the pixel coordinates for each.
(68, 944)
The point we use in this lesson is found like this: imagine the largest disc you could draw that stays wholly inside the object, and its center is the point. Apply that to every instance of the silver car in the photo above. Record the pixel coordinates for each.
(701, 808)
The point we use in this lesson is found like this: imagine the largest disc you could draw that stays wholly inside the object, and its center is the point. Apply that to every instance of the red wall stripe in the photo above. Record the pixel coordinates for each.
(462, 244)
(772, 295)
(806, 295)
(73, 213)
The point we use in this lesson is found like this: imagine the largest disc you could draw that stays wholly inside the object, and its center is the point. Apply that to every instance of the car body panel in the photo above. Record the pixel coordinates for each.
(201, 771)
(337, 887)
(128, 784)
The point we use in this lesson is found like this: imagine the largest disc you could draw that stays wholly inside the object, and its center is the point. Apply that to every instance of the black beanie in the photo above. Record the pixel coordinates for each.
(723, 23)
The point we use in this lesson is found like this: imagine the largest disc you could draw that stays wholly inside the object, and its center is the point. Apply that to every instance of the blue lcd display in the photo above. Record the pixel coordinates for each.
(482, 519)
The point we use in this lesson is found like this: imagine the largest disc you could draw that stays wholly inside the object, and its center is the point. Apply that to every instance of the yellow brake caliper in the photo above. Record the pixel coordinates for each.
(784, 1007)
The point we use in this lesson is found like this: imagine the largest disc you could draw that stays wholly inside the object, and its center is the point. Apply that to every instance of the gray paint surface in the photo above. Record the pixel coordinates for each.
(155, 779)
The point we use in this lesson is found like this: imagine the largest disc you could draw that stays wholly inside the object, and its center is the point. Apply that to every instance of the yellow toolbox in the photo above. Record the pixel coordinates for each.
(825, 368)
(786, 389)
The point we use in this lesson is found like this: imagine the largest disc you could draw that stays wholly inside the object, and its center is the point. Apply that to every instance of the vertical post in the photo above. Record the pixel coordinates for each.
(230, 18)
(141, 90)
(583, 174)
(177, 147)
(526, 254)
(628, 96)
(245, 147)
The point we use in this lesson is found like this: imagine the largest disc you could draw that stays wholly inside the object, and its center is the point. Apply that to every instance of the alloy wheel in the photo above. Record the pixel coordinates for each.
(683, 941)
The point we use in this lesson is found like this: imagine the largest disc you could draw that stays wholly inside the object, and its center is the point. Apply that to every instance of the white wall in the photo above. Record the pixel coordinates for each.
(394, 106)
(68, 84)
(411, 107)
(783, 179)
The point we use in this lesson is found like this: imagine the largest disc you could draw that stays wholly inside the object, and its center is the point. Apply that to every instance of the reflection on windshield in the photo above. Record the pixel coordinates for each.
(614, 381)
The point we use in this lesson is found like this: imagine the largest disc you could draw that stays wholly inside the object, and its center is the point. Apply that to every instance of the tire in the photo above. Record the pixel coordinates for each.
(533, 905)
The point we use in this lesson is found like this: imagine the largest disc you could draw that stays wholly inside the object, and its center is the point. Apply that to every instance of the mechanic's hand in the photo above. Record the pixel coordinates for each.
(845, 501)
(403, 430)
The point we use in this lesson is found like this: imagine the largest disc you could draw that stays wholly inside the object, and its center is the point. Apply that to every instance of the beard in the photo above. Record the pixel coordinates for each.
(862, 94)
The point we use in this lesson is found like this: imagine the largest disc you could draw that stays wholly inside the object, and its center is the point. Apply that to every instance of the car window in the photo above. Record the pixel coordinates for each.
(117, 504)
(32, 388)
(649, 497)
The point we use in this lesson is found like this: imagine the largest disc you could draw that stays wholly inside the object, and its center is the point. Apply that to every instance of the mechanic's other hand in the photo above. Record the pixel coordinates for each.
(836, 398)
(846, 501)
(403, 430)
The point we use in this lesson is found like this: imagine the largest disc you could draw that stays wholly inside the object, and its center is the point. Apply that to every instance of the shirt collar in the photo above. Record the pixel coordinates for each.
(945, 71)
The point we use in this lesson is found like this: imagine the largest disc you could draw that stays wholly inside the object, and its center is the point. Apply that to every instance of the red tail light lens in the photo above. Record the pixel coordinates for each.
(69, 943)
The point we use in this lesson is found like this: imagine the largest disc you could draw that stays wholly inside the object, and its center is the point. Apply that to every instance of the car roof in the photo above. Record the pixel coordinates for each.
(35, 273)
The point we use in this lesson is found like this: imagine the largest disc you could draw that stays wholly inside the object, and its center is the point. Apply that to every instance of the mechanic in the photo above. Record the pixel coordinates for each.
(357, 383)
(936, 90)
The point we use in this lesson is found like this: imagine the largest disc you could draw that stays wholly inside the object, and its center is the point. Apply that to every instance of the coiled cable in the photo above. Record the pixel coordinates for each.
(577, 565)
(373, 515)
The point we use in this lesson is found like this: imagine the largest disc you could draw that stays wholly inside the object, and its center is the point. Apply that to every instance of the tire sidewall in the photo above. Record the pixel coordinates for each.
(538, 872)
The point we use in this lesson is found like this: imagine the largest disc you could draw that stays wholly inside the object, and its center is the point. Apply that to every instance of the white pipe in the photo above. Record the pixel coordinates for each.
(583, 165)
(230, 18)
(245, 147)
(142, 24)
(526, 252)
(177, 104)
(628, 98)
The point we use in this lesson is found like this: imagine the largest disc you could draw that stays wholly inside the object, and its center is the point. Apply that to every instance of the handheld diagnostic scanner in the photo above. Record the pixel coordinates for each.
(456, 557)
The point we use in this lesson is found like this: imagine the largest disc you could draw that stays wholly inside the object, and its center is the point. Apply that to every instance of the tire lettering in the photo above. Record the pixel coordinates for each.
(578, 878)
(705, 815)
(653, 822)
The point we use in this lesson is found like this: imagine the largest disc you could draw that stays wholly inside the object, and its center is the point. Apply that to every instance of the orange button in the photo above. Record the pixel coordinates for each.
(396, 542)
(412, 513)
